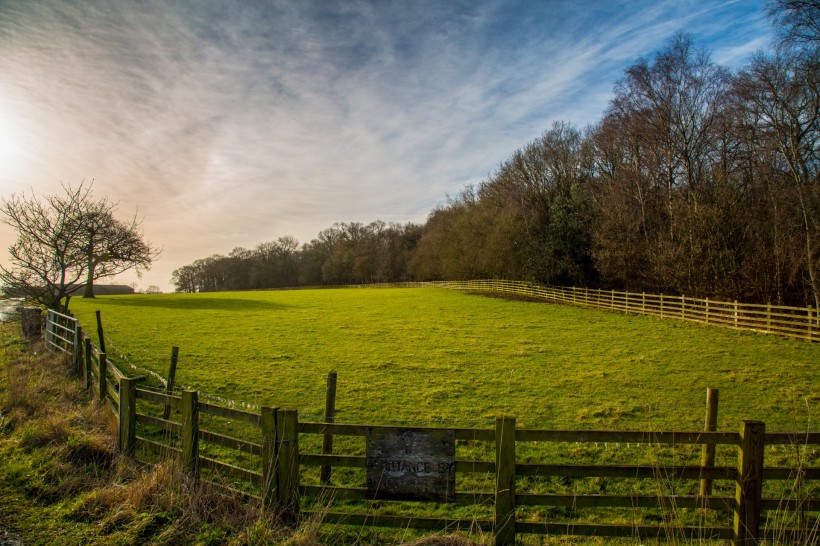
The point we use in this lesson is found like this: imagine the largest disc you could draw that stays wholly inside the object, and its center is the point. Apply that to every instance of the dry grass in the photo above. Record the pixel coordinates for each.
(61, 461)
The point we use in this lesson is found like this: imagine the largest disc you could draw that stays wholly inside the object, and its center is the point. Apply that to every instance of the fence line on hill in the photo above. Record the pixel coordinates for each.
(273, 462)
(786, 321)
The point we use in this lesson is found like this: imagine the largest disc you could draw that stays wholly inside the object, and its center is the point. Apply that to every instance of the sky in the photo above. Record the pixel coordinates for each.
(226, 124)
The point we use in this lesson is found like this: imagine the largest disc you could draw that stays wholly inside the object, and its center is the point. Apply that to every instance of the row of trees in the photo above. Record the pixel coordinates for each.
(342, 254)
(696, 181)
(65, 241)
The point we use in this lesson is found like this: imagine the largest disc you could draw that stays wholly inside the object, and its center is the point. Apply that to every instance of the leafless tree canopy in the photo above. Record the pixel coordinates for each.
(797, 22)
(65, 241)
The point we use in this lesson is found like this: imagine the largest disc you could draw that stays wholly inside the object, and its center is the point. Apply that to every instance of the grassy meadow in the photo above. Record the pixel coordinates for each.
(428, 356)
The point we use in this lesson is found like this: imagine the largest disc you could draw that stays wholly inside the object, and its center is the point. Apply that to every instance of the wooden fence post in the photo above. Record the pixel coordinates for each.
(77, 353)
(87, 368)
(128, 415)
(287, 463)
(190, 431)
(768, 317)
(736, 314)
(101, 371)
(748, 491)
(808, 322)
(661, 305)
(169, 386)
(330, 415)
(708, 453)
(707, 310)
(504, 480)
(269, 453)
(100, 332)
(643, 303)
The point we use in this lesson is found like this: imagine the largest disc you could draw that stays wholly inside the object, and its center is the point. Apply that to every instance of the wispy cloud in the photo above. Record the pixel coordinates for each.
(233, 124)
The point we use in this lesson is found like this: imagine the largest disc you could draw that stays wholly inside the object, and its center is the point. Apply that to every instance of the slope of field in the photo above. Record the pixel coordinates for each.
(432, 356)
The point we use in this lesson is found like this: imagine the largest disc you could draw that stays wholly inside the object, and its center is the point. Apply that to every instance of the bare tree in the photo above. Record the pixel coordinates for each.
(46, 262)
(62, 239)
(111, 246)
(781, 92)
(796, 21)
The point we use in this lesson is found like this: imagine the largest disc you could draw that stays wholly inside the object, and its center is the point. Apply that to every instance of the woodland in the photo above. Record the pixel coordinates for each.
(697, 180)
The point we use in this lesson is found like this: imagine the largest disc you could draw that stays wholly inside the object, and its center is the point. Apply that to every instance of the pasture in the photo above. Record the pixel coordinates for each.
(430, 357)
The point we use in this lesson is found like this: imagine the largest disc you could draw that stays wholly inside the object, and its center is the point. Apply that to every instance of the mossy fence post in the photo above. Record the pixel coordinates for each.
(287, 462)
(77, 353)
(101, 370)
(330, 415)
(87, 367)
(128, 415)
(100, 333)
(748, 492)
(169, 386)
(270, 448)
(708, 452)
(189, 458)
(504, 481)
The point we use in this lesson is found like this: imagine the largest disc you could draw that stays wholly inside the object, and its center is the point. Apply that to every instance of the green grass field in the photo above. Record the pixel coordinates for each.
(428, 356)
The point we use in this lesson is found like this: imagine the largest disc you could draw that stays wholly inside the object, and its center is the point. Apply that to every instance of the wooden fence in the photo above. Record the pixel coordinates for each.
(793, 322)
(269, 464)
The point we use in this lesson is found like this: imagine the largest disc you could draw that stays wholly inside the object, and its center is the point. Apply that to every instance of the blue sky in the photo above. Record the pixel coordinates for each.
(232, 123)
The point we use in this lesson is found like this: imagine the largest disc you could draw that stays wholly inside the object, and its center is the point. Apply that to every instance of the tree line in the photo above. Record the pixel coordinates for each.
(344, 253)
(696, 181)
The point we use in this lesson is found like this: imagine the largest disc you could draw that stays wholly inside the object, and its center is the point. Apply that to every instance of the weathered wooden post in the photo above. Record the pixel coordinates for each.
(768, 317)
(169, 386)
(661, 305)
(707, 310)
(87, 368)
(504, 480)
(330, 416)
(736, 317)
(707, 457)
(287, 464)
(269, 454)
(77, 353)
(190, 431)
(748, 491)
(100, 331)
(101, 371)
(128, 415)
(31, 320)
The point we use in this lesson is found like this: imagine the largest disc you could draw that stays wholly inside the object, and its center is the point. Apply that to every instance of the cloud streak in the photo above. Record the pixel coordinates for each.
(232, 124)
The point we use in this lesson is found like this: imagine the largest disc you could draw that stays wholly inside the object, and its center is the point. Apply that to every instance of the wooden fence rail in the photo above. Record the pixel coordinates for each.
(786, 321)
(793, 322)
(276, 462)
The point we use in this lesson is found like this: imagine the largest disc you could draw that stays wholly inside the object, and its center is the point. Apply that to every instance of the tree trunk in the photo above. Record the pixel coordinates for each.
(89, 285)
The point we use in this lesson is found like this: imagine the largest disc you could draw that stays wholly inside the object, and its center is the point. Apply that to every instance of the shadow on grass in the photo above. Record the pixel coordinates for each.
(195, 303)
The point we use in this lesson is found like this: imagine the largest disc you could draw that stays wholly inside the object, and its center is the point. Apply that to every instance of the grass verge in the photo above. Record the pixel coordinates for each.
(63, 482)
